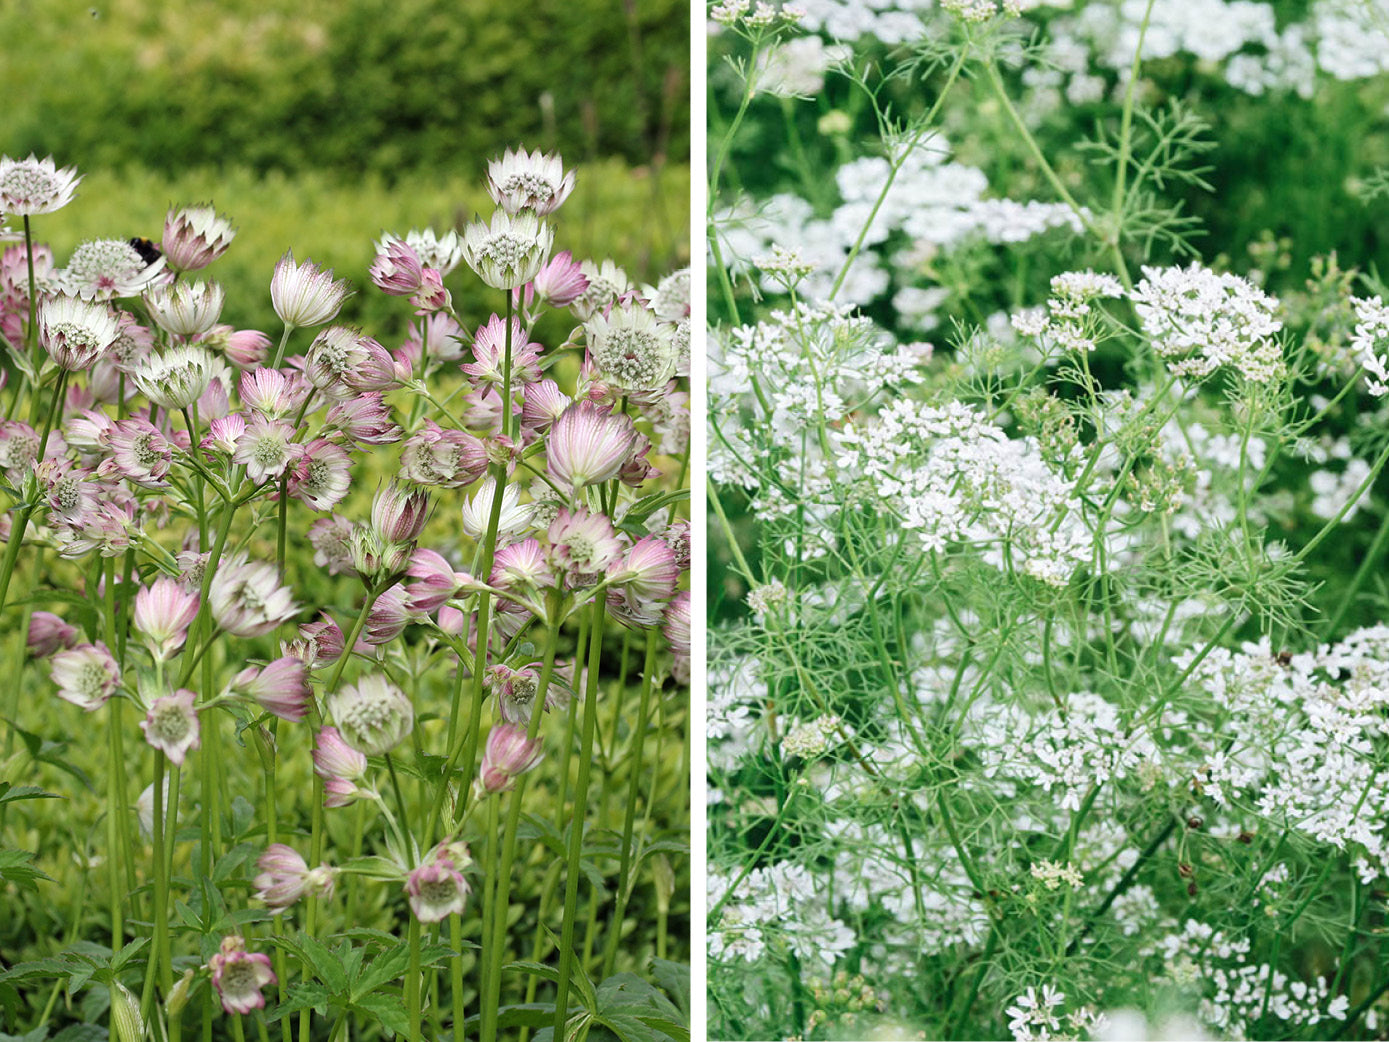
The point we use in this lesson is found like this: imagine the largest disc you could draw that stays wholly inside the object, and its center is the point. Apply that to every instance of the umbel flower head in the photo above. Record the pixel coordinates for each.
(437, 888)
(631, 348)
(76, 333)
(238, 976)
(373, 715)
(305, 295)
(528, 181)
(247, 599)
(33, 186)
(510, 251)
(86, 675)
(195, 236)
(107, 268)
(340, 766)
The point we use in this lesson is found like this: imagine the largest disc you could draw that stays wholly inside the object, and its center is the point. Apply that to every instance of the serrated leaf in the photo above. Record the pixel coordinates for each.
(12, 793)
(674, 979)
(388, 1009)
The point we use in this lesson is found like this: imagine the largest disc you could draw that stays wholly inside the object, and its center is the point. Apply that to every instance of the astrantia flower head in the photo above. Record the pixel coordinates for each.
(560, 282)
(163, 612)
(107, 268)
(306, 295)
(49, 634)
(318, 643)
(489, 353)
(86, 675)
(343, 360)
(280, 687)
(321, 475)
(34, 186)
(606, 283)
(671, 299)
(448, 458)
(589, 444)
(509, 251)
(436, 891)
(185, 308)
(238, 976)
(515, 516)
(631, 348)
(373, 715)
(583, 545)
(642, 582)
(246, 598)
(508, 755)
(398, 514)
(177, 378)
(76, 333)
(340, 766)
(528, 181)
(442, 253)
(266, 448)
(285, 877)
(195, 236)
(139, 453)
(397, 269)
(171, 725)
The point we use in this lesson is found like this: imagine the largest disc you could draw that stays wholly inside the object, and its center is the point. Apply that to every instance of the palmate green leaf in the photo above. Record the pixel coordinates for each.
(674, 978)
(15, 866)
(326, 965)
(388, 1008)
(305, 995)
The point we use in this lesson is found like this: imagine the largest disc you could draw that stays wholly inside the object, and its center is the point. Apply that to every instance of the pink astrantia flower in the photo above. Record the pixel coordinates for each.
(340, 766)
(544, 403)
(239, 975)
(583, 545)
(447, 458)
(163, 612)
(677, 631)
(516, 690)
(389, 616)
(186, 309)
(331, 539)
(171, 725)
(522, 564)
(342, 361)
(306, 295)
(432, 296)
(285, 877)
(524, 180)
(86, 675)
(642, 582)
(396, 269)
(559, 283)
(103, 269)
(436, 891)
(224, 433)
(139, 453)
(489, 353)
(247, 347)
(269, 392)
(398, 514)
(437, 337)
(281, 687)
(317, 644)
(436, 581)
(507, 252)
(321, 475)
(508, 755)
(364, 418)
(195, 236)
(49, 634)
(267, 448)
(247, 599)
(589, 444)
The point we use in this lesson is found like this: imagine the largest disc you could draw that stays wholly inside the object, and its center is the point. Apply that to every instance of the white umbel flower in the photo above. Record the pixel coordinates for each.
(632, 348)
(34, 186)
(177, 378)
(185, 308)
(76, 333)
(104, 269)
(528, 181)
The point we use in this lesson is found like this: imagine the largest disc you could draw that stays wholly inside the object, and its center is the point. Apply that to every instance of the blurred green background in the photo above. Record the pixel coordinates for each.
(318, 124)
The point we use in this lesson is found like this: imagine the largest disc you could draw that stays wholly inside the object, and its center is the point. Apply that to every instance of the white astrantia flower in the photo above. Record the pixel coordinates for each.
(186, 308)
(105, 269)
(632, 349)
(507, 252)
(306, 295)
(515, 518)
(35, 186)
(76, 333)
(177, 378)
(606, 283)
(522, 180)
(373, 715)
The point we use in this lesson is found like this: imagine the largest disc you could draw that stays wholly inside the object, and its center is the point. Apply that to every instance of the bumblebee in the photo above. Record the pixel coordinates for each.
(147, 249)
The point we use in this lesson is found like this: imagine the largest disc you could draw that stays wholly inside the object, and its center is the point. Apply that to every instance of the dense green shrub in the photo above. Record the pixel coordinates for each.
(367, 85)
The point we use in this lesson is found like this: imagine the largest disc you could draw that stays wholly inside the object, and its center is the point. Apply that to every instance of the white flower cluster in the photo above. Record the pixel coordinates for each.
(955, 478)
(1068, 318)
(932, 203)
(781, 904)
(1038, 1017)
(1306, 740)
(1371, 342)
(810, 739)
(1200, 321)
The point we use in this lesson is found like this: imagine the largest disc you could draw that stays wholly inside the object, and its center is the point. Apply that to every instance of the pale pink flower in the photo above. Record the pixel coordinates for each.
(223, 434)
(185, 309)
(437, 337)
(516, 690)
(643, 582)
(436, 456)
(396, 269)
(306, 295)
(281, 687)
(247, 600)
(589, 444)
(49, 634)
(318, 643)
(544, 403)
(522, 564)
(436, 891)
(560, 282)
(432, 295)
(489, 353)
(507, 755)
(340, 766)
(106, 268)
(163, 612)
(364, 418)
(195, 236)
(389, 616)
(270, 392)
(267, 448)
(86, 675)
(436, 581)
(583, 545)
(342, 361)
(322, 474)
(74, 332)
(139, 453)
(247, 347)
(238, 976)
(285, 877)
(677, 631)
(171, 725)
(507, 252)
(398, 514)
(331, 539)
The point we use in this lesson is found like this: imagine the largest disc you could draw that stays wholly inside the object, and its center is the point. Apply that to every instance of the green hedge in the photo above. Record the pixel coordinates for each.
(344, 85)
